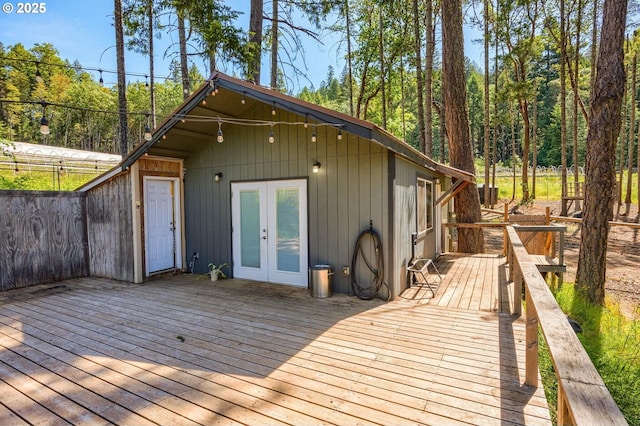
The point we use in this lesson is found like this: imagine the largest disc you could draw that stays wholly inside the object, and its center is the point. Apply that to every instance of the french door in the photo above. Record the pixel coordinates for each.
(270, 231)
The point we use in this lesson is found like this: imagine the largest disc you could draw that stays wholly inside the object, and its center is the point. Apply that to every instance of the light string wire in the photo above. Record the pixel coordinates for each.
(186, 117)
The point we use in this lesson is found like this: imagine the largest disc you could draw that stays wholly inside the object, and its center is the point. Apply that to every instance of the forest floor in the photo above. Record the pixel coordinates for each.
(623, 254)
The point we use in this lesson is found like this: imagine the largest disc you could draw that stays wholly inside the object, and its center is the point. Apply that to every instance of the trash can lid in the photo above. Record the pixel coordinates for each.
(321, 267)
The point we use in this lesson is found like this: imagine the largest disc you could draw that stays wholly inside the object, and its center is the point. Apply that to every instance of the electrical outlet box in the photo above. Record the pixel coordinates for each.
(346, 271)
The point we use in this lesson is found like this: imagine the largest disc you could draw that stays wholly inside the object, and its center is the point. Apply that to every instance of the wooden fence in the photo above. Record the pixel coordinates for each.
(583, 398)
(43, 237)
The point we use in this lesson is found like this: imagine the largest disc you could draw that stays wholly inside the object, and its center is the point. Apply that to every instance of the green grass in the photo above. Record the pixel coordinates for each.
(43, 181)
(613, 344)
(548, 186)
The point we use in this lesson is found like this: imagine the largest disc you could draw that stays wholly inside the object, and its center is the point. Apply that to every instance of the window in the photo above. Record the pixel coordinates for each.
(424, 201)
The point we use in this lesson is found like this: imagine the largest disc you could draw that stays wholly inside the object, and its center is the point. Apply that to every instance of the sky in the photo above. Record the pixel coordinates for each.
(82, 30)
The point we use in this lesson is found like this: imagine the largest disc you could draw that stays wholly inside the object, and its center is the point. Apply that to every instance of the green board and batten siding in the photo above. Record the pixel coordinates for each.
(350, 189)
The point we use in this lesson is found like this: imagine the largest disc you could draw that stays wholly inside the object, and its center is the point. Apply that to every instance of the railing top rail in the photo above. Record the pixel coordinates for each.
(553, 227)
(587, 399)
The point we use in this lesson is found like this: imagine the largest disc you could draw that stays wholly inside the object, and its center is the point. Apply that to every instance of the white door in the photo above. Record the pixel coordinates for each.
(270, 231)
(160, 224)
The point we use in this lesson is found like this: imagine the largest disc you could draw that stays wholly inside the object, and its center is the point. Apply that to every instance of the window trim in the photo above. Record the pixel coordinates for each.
(426, 199)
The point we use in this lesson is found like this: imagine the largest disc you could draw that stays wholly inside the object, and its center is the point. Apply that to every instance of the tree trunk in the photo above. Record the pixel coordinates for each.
(604, 128)
(274, 46)
(382, 65)
(621, 145)
(255, 38)
(122, 81)
(534, 141)
(632, 133)
(428, 81)
(419, 81)
(487, 145)
(576, 101)
(152, 88)
(563, 106)
(184, 65)
(467, 201)
(349, 59)
(594, 45)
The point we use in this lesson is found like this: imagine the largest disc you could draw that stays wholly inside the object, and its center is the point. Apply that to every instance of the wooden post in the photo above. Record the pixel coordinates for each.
(517, 287)
(531, 360)
(505, 220)
(563, 410)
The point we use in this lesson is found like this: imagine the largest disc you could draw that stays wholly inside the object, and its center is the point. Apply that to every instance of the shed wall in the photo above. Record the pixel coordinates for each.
(110, 230)
(349, 191)
(405, 218)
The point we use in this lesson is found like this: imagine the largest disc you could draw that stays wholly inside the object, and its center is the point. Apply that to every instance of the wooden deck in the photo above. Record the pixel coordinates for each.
(182, 350)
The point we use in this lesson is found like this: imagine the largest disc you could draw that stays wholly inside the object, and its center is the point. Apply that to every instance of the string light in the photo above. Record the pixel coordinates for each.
(147, 131)
(44, 123)
(273, 109)
(76, 67)
(220, 138)
(101, 81)
(313, 135)
(272, 138)
(339, 134)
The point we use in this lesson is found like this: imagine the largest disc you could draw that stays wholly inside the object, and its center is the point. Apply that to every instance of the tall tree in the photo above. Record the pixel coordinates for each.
(521, 19)
(275, 30)
(419, 80)
(632, 128)
(255, 40)
(467, 201)
(122, 81)
(563, 106)
(604, 127)
(428, 80)
(487, 144)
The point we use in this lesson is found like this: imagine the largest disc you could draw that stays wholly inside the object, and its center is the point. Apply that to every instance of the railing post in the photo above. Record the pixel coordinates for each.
(531, 360)
(505, 219)
(517, 288)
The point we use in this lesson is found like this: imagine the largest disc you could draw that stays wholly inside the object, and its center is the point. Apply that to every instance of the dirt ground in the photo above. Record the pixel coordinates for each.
(623, 254)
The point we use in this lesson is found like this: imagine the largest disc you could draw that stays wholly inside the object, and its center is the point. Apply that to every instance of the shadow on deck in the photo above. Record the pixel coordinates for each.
(187, 351)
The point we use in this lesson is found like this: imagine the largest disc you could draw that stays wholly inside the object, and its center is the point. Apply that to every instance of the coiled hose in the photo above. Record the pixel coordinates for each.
(377, 284)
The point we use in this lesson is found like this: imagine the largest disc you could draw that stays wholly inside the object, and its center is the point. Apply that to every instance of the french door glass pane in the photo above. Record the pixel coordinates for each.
(250, 228)
(288, 229)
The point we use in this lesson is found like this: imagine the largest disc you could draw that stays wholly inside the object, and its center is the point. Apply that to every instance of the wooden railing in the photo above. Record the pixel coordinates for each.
(583, 398)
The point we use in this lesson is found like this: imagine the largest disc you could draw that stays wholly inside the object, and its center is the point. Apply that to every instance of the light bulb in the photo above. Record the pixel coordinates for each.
(272, 138)
(44, 126)
(220, 136)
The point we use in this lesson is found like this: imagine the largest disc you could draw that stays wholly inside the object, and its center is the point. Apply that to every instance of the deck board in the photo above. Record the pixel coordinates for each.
(183, 351)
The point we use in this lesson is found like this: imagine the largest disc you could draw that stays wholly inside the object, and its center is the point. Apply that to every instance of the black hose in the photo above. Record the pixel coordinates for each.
(377, 284)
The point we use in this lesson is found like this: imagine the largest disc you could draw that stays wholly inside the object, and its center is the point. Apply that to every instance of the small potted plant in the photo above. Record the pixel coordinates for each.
(216, 272)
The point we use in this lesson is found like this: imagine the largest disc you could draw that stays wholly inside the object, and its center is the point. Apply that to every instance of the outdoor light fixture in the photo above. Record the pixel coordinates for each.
(273, 109)
(272, 138)
(220, 138)
(147, 130)
(339, 134)
(243, 101)
(217, 177)
(39, 78)
(313, 135)
(101, 81)
(316, 167)
(147, 133)
(44, 126)
(44, 123)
